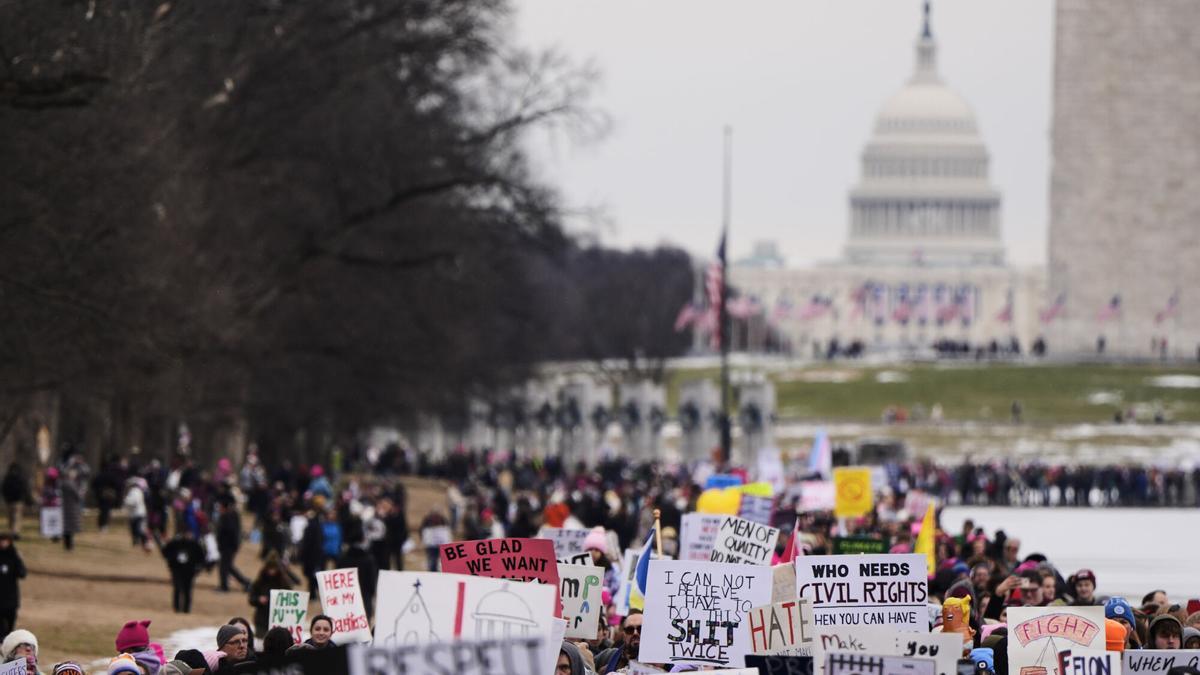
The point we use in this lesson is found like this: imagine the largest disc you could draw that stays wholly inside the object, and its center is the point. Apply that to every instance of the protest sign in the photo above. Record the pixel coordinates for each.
(52, 522)
(842, 663)
(508, 656)
(1157, 661)
(433, 537)
(628, 569)
(852, 492)
(422, 607)
(697, 535)
(289, 609)
(341, 600)
(1037, 634)
(783, 582)
(581, 586)
(694, 611)
(15, 667)
(781, 628)
(778, 664)
(857, 545)
(584, 558)
(816, 495)
(866, 590)
(513, 558)
(757, 509)
(743, 541)
(1078, 661)
(567, 541)
(944, 648)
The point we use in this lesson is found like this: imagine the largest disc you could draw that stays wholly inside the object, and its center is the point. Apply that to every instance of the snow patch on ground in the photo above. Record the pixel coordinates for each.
(890, 377)
(1175, 381)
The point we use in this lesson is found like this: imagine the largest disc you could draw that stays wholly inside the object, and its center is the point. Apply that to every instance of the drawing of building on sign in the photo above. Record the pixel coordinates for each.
(414, 624)
(501, 614)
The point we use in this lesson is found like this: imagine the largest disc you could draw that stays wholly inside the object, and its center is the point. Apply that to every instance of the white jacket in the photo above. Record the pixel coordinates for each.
(135, 502)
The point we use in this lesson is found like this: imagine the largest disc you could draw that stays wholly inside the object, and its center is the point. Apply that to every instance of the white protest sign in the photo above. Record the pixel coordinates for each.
(1078, 661)
(744, 541)
(508, 656)
(421, 607)
(1037, 634)
(52, 523)
(567, 542)
(558, 631)
(817, 495)
(577, 559)
(866, 590)
(581, 588)
(697, 534)
(783, 582)
(341, 600)
(944, 648)
(289, 609)
(781, 628)
(1157, 661)
(694, 611)
(433, 537)
(15, 667)
(841, 663)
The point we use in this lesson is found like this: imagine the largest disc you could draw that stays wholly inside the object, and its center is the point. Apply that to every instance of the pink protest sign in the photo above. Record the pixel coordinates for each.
(512, 558)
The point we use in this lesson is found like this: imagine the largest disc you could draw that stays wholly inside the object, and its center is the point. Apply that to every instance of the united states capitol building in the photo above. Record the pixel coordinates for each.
(924, 259)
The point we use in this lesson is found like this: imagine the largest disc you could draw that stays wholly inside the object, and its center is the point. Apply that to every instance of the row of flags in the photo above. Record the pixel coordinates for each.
(868, 301)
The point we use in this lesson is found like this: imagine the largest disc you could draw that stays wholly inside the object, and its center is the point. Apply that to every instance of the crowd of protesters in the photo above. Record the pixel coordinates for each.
(304, 520)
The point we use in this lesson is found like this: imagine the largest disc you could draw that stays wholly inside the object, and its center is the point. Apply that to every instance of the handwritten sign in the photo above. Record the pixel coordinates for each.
(1036, 635)
(744, 541)
(508, 656)
(783, 582)
(567, 542)
(778, 664)
(1078, 661)
(1157, 661)
(852, 492)
(697, 535)
(422, 607)
(944, 648)
(15, 667)
(866, 590)
(695, 610)
(341, 600)
(840, 663)
(581, 587)
(781, 628)
(584, 558)
(289, 609)
(51, 524)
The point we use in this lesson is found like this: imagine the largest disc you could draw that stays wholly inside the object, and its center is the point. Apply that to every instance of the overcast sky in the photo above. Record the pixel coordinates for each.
(800, 81)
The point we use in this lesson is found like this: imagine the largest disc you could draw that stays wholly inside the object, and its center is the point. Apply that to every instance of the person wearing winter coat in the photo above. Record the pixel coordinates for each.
(73, 492)
(571, 661)
(312, 551)
(229, 540)
(19, 643)
(185, 557)
(12, 570)
(135, 510)
(271, 577)
(17, 494)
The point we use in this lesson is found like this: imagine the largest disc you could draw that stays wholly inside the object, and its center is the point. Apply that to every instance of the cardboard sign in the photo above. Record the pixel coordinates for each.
(944, 648)
(777, 664)
(18, 666)
(52, 523)
(511, 656)
(1089, 662)
(422, 607)
(695, 610)
(341, 600)
(1157, 661)
(852, 495)
(781, 628)
(567, 542)
(289, 609)
(817, 495)
(783, 582)
(744, 541)
(866, 590)
(859, 545)
(841, 663)
(580, 588)
(1036, 635)
(697, 535)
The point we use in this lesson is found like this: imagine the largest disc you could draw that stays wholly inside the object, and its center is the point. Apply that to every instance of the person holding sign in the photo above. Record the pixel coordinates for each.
(321, 630)
(271, 577)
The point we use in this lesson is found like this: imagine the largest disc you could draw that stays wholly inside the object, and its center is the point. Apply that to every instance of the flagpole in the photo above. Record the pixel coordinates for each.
(658, 532)
(722, 309)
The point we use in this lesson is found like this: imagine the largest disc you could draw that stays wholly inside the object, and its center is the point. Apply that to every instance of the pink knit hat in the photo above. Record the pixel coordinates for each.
(213, 659)
(133, 635)
(596, 540)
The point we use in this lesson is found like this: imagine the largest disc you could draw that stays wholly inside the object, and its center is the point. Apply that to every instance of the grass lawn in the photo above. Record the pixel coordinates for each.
(1049, 394)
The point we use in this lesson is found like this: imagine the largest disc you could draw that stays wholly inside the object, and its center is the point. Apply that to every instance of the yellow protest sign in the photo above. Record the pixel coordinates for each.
(852, 492)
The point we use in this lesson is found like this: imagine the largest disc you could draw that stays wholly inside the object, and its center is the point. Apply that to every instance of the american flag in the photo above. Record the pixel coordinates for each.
(1006, 314)
(949, 311)
(817, 307)
(1171, 310)
(1110, 311)
(858, 298)
(687, 316)
(1055, 310)
(923, 305)
(903, 311)
(783, 309)
(743, 307)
